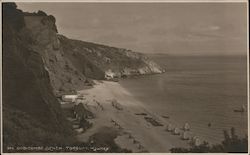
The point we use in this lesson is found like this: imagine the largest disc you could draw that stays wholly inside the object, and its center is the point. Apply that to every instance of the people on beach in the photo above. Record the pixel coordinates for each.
(140, 146)
(130, 136)
(135, 141)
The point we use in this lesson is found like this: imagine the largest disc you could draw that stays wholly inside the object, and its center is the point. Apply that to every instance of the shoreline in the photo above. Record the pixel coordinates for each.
(140, 130)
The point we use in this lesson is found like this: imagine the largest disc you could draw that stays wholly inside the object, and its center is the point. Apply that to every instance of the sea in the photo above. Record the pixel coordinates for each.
(203, 91)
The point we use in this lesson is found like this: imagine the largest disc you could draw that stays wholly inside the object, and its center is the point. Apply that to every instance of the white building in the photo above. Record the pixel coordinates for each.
(109, 74)
(69, 98)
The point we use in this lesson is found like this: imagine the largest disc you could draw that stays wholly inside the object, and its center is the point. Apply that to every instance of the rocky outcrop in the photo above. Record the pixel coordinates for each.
(94, 60)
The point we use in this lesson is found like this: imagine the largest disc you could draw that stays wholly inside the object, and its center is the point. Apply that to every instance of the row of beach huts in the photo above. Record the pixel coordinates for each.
(78, 99)
(184, 132)
(79, 112)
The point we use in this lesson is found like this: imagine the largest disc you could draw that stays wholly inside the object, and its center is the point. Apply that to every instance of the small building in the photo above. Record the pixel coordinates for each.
(63, 102)
(109, 74)
(69, 98)
(107, 60)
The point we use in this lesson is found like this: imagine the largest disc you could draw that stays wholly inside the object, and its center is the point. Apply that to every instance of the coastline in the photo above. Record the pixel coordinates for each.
(114, 107)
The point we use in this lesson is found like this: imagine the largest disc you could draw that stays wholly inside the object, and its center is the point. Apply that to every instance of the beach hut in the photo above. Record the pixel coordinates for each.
(185, 136)
(109, 74)
(195, 141)
(69, 98)
(186, 127)
(80, 130)
(76, 116)
(176, 131)
(169, 127)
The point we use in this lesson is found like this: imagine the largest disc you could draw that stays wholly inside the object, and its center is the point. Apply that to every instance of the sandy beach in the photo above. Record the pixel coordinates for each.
(114, 107)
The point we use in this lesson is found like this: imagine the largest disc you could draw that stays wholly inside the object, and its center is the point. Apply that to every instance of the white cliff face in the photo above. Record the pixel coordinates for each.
(150, 66)
(121, 62)
(153, 67)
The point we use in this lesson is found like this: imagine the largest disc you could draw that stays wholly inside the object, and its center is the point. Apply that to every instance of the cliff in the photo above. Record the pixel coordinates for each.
(39, 64)
(70, 63)
(31, 113)
(94, 60)
(64, 77)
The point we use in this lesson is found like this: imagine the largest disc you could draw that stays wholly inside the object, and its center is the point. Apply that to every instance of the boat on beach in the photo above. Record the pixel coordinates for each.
(242, 109)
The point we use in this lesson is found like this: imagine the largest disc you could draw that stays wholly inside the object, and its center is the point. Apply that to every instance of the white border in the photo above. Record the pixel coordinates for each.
(130, 1)
(248, 76)
(1, 69)
(134, 1)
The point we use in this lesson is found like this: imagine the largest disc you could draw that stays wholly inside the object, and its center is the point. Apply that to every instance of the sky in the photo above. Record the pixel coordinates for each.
(172, 28)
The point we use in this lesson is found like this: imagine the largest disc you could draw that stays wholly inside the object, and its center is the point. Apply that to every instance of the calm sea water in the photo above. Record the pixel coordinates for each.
(198, 90)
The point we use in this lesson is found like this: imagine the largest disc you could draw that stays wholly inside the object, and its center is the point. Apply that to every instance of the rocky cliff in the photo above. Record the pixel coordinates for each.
(64, 77)
(31, 113)
(70, 63)
(93, 60)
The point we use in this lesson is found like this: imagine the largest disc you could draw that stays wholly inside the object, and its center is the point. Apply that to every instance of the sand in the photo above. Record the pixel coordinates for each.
(136, 133)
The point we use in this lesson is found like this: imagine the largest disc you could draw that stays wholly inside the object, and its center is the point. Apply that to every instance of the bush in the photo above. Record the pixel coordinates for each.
(85, 124)
(231, 144)
(41, 13)
(21, 129)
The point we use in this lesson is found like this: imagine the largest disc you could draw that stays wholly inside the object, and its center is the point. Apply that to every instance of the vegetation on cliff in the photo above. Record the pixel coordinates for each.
(93, 60)
(31, 114)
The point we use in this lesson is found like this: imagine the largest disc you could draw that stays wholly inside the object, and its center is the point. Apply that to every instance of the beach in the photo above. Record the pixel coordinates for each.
(114, 107)
(201, 91)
